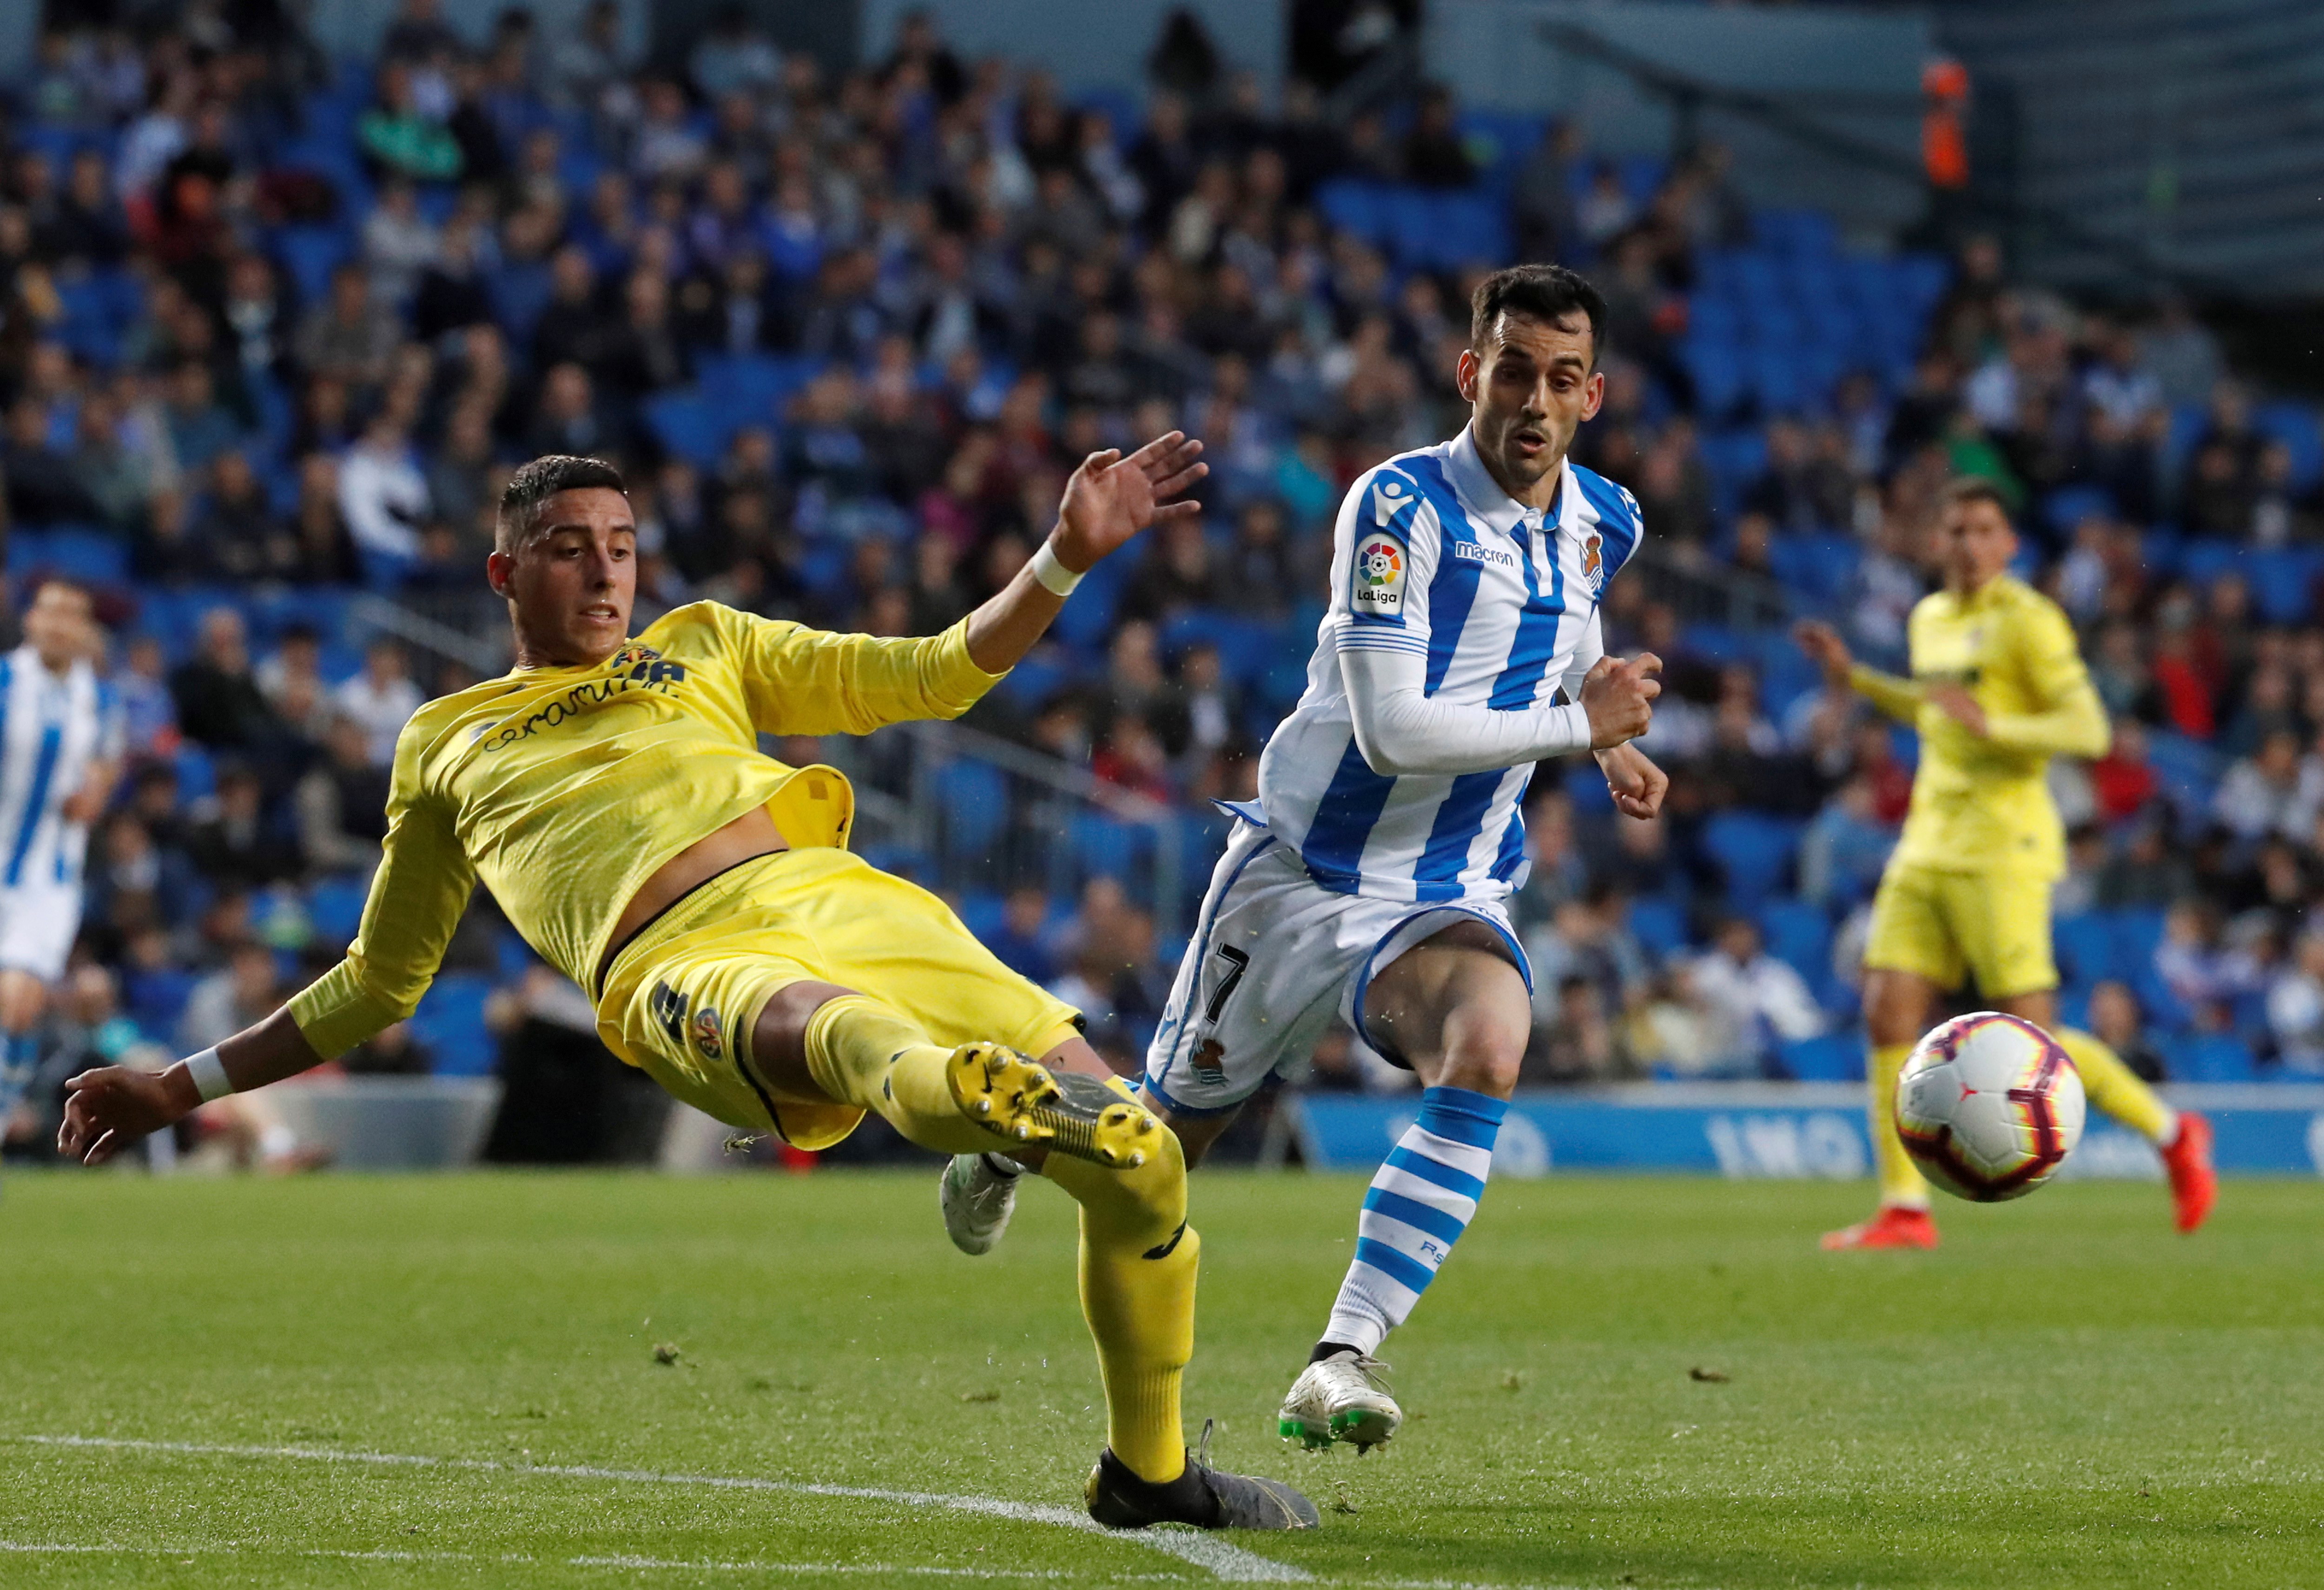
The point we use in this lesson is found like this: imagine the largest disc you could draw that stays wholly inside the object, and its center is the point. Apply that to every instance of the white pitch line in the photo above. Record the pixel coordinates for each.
(627, 1564)
(1224, 1561)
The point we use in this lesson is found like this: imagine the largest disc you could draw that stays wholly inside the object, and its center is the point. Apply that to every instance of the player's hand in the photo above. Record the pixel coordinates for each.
(83, 805)
(1956, 703)
(1824, 648)
(1619, 697)
(1111, 498)
(1639, 786)
(111, 1108)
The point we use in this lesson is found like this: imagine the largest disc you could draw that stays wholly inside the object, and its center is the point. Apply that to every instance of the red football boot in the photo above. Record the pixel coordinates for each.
(2194, 1185)
(1895, 1226)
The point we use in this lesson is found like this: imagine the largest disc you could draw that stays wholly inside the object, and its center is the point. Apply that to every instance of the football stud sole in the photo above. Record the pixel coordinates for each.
(1020, 1102)
(1362, 1428)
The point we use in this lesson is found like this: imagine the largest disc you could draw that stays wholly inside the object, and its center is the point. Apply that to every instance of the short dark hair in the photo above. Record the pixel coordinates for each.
(535, 482)
(1540, 292)
(1961, 492)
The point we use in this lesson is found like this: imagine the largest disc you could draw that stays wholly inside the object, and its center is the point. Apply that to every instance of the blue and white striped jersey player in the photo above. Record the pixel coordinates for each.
(60, 749)
(1369, 880)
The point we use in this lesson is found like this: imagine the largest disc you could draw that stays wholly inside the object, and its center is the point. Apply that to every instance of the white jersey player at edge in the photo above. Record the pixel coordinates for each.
(1369, 880)
(60, 749)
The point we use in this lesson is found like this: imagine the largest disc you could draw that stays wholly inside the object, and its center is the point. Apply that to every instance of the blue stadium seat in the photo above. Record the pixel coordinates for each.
(2203, 561)
(2085, 947)
(1109, 847)
(2283, 582)
(309, 255)
(2188, 769)
(1799, 935)
(197, 774)
(689, 424)
(752, 388)
(450, 1020)
(156, 999)
(1659, 925)
(2068, 505)
(335, 906)
(1832, 1057)
(1753, 851)
(2208, 1057)
(982, 911)
(974, 797)
(85, 554)
(2294, 424)
(1354, 207)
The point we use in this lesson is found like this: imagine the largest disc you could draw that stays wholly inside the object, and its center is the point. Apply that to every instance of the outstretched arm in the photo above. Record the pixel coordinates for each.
(809, 681)
(1109, 500)
(111, 1108)
(417, 896)
(1900, 699)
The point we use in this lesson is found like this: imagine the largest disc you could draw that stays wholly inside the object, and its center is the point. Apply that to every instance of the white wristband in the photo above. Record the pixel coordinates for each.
(209, 1073)
(1053, 575)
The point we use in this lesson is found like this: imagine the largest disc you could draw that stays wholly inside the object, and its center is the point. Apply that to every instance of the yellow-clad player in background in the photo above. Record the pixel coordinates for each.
(611, 793)
(1998, 689)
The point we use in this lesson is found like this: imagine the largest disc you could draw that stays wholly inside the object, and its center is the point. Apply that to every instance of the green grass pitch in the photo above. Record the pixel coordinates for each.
(2066, 1395)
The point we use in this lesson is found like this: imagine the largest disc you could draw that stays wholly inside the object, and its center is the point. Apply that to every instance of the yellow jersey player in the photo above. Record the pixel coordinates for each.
(1997, 688)
(609, 790)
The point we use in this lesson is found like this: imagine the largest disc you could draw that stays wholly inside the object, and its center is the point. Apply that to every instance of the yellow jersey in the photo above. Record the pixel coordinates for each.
(1983, 805)
(564, 788)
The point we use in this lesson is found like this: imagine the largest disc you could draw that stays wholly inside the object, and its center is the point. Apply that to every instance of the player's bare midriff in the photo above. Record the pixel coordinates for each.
(746, 838)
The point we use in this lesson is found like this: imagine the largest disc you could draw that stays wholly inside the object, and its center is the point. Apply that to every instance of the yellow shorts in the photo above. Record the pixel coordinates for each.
(1941, 925)
(681, 999)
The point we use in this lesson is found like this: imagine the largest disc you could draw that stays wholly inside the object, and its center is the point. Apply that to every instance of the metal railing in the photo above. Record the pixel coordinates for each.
(965, 812)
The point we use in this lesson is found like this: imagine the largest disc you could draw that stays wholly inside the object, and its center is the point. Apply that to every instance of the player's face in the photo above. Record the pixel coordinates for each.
(571, 582)
(1976, 544)
(58, 624)
(1528, 391)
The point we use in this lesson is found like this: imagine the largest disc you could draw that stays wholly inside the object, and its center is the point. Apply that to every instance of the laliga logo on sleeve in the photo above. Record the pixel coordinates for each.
(1379, 578)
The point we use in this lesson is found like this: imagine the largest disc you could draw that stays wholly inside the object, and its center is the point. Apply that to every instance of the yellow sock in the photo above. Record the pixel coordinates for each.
(1900, 1184)
(861, 1053)
(1137, 1264)
(2112, 1086)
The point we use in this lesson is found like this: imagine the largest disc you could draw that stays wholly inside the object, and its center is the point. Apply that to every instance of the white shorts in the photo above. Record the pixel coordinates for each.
(1274, 957)
(38, 922)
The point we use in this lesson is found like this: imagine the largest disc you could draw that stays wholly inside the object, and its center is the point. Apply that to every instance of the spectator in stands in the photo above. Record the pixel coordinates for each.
(238, 530)
(42, 486)
(2260, 793)
(2116, 1018)
(1433, 155)
(350, 335)
(234, 845)
(1756, 1002)
(399, 139)
(341, 804)
(380, 698)
(1023, 941)
(382, 494)
(1845, 848)
(1578, 1043)
(219, 703)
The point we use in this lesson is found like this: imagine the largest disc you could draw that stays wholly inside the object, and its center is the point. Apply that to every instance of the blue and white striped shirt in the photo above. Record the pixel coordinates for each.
(51, 729)
(1432, 559)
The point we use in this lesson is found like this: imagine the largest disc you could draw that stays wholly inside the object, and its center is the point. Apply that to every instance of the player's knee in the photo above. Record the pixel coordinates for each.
(1484, 1049)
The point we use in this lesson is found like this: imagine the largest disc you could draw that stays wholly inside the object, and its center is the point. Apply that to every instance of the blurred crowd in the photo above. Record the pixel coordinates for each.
(274, 327)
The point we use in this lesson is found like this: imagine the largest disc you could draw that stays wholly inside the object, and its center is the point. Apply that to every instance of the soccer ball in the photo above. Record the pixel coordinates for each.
(1989, 1106)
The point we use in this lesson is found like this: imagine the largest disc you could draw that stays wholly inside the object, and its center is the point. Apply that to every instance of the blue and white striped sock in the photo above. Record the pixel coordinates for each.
(19, 1053)
(1420, 1203)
